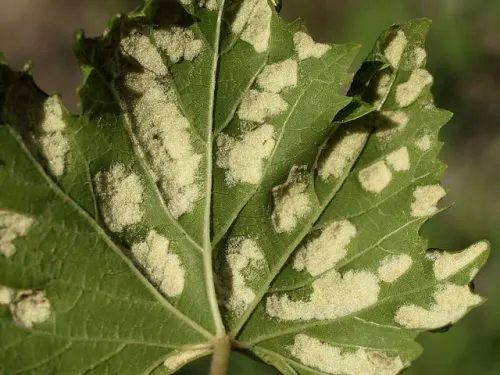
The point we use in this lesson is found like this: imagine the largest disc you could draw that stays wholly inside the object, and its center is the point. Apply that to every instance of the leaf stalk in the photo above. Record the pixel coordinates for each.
(220, 357)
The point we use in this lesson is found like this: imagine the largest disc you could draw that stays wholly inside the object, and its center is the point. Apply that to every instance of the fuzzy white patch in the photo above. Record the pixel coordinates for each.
(291, 201)
(244, 159)
(322, 253)
(382, 87)
(257, 106)
(451, 304)
(393, 267)
(139, 47)
(339, 156)
(306, 47)
(163, 266)
(399, 160)
(6, 295)
(53, 112)
(408, 92)
(334, 295)
(121, 197)
(395, 48)
(180, 358)
(12, 226)
(178, 43)
(424, 143)
(30, 308)
(164, 135)
(244, 257)
(398, 121)
(277, 77)
(51, 137)
(253, 24)
(54, 147)
(376, 177)
(142, 82)
(448, 264)
(419, 56)
(334, 360)
(426, 199)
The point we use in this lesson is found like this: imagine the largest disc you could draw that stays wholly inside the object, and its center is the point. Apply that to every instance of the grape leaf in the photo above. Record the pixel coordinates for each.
(204, 191)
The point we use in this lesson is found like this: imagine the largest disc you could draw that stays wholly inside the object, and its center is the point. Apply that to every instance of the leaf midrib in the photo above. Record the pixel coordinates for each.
(300, 236)
(220, 329)
(286, 255)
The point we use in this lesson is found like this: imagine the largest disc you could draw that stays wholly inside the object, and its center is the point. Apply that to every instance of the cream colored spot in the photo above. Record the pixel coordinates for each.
(30, 308)
(180, 358)
(277, 77)
(12, 227)
(54, 147)
(322, 253)
(408, 92)
(393, 267)
(334, 360)
(426, 199)
(339, 156)
(334, 295)
(164, 134)
(306, 47)
(6, 295)
(51, 136)
(244, 159)
(376, 177)
(257, 106)
(399, 160)
(291, 201)
(253, 23)
(451, 304)
(419, 56)
(163, 266)
(140, 48)
(121, 197)
(178, 43)
(395, 48)
(448, 264)
(424, 143)
(244, 258)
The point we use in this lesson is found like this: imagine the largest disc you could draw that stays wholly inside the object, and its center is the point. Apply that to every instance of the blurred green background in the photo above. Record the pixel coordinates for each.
(464, 56)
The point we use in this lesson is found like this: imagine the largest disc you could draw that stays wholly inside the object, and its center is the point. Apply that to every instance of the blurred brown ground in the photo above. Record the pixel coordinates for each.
(465, 59)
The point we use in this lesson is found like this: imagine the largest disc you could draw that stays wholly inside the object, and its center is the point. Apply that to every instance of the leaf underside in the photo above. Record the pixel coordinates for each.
(216, 181)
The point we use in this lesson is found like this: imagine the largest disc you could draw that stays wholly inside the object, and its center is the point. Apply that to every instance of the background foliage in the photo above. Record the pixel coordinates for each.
(464, 55)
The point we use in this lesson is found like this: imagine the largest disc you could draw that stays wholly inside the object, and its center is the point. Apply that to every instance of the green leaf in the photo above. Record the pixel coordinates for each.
(205, 191)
